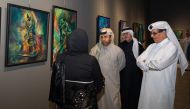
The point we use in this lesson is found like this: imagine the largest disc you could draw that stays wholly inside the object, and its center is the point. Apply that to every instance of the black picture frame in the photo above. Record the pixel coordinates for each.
(122, 23)
(27, 35)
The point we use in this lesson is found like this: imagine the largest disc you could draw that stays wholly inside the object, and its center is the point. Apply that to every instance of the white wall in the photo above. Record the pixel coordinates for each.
(27, 86)
(88, 10)
(135, 10)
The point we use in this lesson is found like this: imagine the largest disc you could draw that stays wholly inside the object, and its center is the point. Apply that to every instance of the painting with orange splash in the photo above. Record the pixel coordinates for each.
(64, 22)
(27, 35)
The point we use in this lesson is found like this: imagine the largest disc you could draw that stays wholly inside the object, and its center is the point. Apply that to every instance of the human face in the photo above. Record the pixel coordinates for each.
(127, 37)
(158, 35)
(105, 39)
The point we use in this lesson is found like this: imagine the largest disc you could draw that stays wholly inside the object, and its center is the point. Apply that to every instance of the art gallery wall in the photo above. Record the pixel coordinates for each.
(27, 86)
(129, 10)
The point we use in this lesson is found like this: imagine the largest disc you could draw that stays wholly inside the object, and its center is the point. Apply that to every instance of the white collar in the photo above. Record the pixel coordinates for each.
(163, 42)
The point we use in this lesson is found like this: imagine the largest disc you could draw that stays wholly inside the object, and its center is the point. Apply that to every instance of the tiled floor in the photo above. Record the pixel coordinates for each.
(182, 97)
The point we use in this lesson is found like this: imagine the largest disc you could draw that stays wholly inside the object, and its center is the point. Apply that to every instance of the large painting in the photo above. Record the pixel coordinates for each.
(102, 22)
(122, 24)
(139, 32)
(64, 22)
(27, 35)
(179, 34)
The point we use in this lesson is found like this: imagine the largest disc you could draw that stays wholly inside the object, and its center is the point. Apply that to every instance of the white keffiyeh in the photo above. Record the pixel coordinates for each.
(135, 42)
(171, 36)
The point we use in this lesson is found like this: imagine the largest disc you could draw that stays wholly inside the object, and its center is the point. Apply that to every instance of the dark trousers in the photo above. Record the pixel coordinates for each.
(130, 85)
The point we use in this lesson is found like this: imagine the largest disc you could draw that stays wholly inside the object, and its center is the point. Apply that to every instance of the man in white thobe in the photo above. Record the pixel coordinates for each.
(159, 65)
(112, 60)
(185, 42)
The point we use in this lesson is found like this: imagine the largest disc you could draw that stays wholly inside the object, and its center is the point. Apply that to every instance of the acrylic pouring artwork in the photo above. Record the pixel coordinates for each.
(102, 22)
(139, 31)
(179, 34)
(27, 35)
(64, 22)
(122, 24)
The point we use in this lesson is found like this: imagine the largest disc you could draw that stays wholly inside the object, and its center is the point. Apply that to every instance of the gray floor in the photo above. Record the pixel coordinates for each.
(182, 97)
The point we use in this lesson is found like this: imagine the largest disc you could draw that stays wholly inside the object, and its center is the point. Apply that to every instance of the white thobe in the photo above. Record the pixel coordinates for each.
(185, 42)
(112, 61)
(159, 65)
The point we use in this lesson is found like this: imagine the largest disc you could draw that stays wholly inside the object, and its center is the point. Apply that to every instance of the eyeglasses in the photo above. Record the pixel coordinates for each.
(159, 31)
(105, 36)
(154, 33)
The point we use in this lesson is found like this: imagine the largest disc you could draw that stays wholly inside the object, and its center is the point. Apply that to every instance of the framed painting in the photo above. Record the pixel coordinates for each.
(179, 34)
(102, 22)
(138, 31)
(64, 22)
(141, 33)
(122, 24)
(27, 35)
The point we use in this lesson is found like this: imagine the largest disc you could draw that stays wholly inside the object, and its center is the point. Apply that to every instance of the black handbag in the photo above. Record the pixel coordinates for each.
(80, 95)
(57, 85)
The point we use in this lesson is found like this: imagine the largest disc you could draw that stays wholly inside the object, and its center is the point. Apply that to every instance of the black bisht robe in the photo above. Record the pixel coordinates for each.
(130, 78)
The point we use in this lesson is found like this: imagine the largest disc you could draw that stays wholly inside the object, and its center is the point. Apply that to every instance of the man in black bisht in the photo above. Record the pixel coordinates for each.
(131, 75)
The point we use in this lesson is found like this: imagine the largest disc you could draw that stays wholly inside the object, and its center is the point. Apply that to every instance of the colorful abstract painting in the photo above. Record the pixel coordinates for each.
(27, 35)
(179, 34)
(122, 24)
(138, 31)
(64, 22)
(141, 33)
(102, 22)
